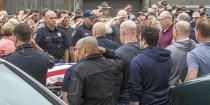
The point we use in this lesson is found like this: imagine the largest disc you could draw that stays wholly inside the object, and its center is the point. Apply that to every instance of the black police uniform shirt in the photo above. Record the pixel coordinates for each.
(69, 32)
(54, 42)
(81, 32)
(33, 62)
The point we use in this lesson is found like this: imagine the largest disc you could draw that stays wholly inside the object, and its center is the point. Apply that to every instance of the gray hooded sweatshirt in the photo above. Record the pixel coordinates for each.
(179, 52)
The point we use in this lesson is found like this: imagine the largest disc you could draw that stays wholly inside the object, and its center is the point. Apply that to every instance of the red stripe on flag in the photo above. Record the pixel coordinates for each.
(58, 72)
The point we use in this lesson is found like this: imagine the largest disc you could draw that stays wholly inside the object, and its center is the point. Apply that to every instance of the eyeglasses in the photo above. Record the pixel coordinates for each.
(159, 19)
(75, 49)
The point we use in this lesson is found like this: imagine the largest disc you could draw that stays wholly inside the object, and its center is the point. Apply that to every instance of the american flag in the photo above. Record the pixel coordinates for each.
(56, 74)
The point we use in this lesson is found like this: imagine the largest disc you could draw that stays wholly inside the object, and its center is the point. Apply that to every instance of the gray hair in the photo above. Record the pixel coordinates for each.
(183, 17)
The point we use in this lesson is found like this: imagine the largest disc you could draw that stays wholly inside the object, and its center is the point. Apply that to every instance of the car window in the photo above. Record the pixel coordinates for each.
(16, 91)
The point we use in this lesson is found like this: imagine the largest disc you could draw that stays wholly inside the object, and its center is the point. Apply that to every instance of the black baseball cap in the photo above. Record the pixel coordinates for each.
(89, 14)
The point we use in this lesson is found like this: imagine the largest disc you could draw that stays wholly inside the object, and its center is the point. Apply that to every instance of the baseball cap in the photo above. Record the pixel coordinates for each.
(89, 14)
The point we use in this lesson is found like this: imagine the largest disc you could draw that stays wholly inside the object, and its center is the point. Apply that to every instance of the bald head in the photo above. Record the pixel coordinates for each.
(50, 13)
(129, 27)
(124, 16)
(183, 17)
(89, 44)
(122, 13)
(99, 29)
(183, 28)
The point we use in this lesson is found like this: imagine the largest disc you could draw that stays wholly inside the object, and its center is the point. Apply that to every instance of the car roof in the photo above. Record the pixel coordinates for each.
(35, 84)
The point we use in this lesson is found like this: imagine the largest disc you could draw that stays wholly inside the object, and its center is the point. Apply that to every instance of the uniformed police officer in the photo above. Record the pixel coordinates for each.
(84, 30)
(104, 9)
(52, 40)
(33, 62)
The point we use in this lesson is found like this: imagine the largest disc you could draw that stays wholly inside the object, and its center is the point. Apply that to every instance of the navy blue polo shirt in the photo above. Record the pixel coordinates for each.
(106, 43)
(65, 84)
(81, 32)
(45, 38)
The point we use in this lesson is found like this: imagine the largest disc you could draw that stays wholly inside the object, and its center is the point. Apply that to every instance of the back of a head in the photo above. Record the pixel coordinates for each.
(183, 27)
(183, 17)
(89, 43)
(26, 11)
(139, 27)
(151, 35)
(203, 26)
(7, 29)
(99, 29)
(129, 27)
(22, 32)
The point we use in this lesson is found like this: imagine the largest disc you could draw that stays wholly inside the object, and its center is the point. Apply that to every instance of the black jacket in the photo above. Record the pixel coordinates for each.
(33, 62)
(95, 81)
(127, 52)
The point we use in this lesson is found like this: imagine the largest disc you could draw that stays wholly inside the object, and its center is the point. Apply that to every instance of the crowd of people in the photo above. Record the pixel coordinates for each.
(121, 60)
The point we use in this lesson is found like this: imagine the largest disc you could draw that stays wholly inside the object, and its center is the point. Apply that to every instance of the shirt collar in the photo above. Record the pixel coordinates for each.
(101, 37)
(131, 43)
(24, 46)
(170, 28)
(93, 56)
(8, 37)
(204, 44)
(48, 29)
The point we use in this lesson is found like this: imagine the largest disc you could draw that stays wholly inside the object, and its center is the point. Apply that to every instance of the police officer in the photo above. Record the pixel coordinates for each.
(104, 9)
(84, 30)
(52, 40)
(33, 62)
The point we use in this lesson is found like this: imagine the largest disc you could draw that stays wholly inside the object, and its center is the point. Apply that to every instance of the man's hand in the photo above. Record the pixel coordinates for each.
(134, 103)
(101, 50)
(60, 20)
(33, 43)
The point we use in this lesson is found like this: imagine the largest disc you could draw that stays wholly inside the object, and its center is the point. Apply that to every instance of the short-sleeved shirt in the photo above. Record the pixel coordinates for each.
(54, 42)
(65, 83)
(199, 58)
(106, 43)
(81, 32)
